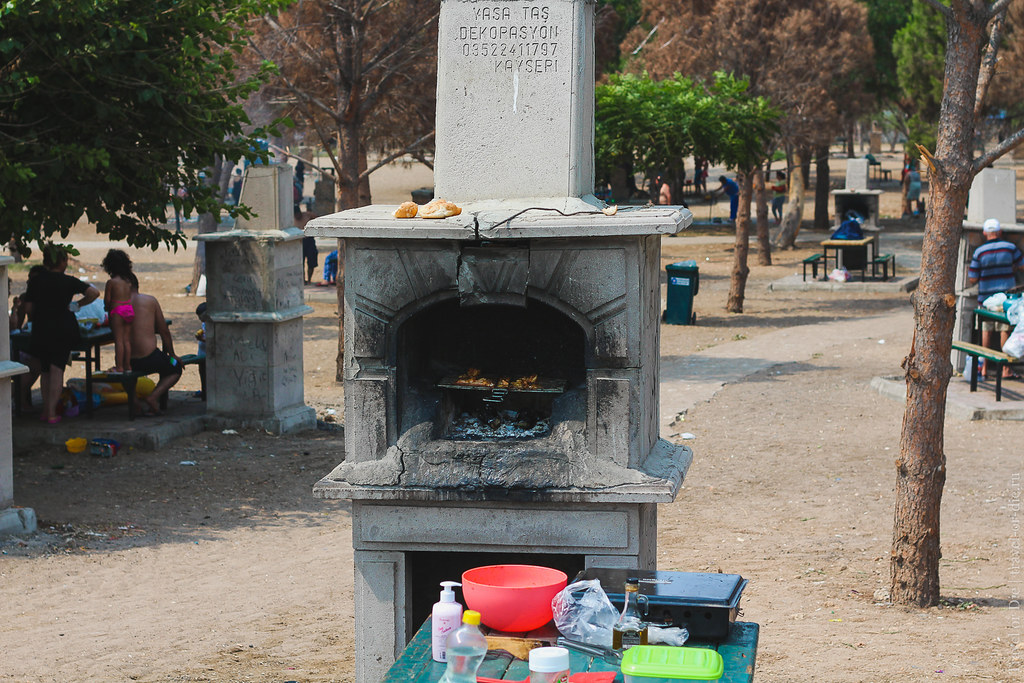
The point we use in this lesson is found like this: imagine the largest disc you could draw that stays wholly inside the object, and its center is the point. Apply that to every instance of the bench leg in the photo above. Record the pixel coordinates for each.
(129, 388)
(999, 382)
(202, 378)
(974, 372)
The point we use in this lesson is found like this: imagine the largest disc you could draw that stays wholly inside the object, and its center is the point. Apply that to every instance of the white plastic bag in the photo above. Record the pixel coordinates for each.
(994, 302)
(583, 612)
(970, 367)
(839, 275)
(1014, 346)
(1015, 312)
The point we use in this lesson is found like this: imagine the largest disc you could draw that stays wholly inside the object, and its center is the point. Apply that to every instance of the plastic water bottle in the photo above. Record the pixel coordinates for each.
(466, 648)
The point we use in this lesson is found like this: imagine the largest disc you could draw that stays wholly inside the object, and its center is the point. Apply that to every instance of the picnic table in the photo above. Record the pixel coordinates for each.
(88, 348)
(416, 665)
(980, 313)
(851, 254)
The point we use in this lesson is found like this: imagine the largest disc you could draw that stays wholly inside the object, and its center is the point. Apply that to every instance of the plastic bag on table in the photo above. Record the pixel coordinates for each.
(1014, 346)
(1015, 312)
(583, 612)
(994, 302)
(676, 636)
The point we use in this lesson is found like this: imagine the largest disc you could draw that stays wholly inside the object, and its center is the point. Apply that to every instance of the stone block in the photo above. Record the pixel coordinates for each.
(381, 609)
(366, 411)
(251, 275)
(267, 189)
(993, 194)
(17, 522)
(857, 171)
(254, 369)
(875, 142)
(515, 100)
(519, 528)
(612, 416)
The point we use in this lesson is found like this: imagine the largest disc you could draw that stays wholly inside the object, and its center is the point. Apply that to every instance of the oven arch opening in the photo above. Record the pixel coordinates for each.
(487, 372)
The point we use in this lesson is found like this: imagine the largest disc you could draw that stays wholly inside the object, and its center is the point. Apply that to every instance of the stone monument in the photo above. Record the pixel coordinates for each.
(255, 308)
(875, 142)
(13, 520)
(857, 174)
(993, 195)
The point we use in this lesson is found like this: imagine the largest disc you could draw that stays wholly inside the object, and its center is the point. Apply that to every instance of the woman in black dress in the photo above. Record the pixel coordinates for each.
(54, 327)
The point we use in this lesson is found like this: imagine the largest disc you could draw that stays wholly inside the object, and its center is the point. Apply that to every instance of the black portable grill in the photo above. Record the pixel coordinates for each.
(704, 604)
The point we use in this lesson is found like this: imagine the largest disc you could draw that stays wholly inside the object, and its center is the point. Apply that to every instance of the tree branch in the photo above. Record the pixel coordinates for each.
(300, 95)
(938, 6)
(1002, 148)
(988, 62)
(647, 37)
(999, 7)
(391, 157)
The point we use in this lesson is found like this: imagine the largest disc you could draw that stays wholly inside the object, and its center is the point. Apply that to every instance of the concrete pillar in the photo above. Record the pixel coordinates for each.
(875, 142)
(12, 520)
(255, 307)
(993, 195)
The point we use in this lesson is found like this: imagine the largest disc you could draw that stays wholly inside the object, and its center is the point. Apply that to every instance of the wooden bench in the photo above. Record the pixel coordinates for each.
(883, 260)
(129, 380)
(1001, 360)
(813, 262)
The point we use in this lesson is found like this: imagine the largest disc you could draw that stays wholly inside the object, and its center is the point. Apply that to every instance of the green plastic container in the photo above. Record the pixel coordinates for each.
(642, 662)
(683, 284)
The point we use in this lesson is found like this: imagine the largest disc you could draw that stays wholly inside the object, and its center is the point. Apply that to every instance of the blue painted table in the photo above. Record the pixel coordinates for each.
(416, 666)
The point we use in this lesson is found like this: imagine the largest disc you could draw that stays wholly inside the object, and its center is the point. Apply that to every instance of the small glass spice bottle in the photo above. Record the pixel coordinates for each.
(630, 629)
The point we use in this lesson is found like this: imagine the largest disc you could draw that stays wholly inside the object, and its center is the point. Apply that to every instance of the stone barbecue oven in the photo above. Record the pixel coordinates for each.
(500, 366)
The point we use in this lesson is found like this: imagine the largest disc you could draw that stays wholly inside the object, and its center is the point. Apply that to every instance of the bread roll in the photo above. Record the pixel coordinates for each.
(406, 210)
(439, 208)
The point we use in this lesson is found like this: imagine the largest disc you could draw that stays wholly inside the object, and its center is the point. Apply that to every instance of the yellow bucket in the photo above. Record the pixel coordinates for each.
(76, 445)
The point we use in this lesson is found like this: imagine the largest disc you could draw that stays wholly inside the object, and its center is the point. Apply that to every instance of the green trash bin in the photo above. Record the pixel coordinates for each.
(683, 284)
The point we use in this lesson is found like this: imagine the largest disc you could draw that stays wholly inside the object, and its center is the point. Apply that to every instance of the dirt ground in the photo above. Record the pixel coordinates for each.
(152, 569)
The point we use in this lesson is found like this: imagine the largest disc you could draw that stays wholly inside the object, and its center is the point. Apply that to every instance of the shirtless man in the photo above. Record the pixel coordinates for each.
(146, 357)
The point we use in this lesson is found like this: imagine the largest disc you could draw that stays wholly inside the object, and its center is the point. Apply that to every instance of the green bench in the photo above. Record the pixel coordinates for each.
(1001, 360)
(813, 262)
(130, 379)
(883, 260)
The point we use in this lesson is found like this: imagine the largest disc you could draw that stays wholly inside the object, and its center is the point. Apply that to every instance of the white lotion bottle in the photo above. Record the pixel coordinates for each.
(444, 618)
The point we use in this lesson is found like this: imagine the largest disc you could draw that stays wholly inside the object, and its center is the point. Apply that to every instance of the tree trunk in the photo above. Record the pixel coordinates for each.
(822, 185)
(764, 245)
(849, 141)
(353, 191)
(793, 213)
(738, 279)
(921, 465)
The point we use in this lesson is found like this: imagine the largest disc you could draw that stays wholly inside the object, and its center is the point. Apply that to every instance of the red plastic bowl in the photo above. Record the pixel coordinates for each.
(512, 597)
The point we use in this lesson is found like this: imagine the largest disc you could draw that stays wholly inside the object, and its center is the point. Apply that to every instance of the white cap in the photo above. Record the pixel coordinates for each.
(991, 225)
(448, 594)
(545, 660)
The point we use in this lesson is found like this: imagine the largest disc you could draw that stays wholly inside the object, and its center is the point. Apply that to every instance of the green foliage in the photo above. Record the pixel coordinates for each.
(885, 19)
(655, 124)
(107, 107)
(920, 51)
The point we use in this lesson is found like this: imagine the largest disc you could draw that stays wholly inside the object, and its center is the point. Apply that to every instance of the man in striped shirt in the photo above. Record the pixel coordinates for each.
(992, 268)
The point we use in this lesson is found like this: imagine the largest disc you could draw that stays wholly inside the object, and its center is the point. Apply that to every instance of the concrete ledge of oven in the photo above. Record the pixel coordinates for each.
(658, 482)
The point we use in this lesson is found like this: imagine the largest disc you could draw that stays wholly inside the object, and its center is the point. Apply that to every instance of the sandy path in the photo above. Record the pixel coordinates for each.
(229, 570)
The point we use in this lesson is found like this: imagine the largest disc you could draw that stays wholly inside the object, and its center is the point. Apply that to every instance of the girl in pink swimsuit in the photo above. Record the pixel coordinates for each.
(117, 298)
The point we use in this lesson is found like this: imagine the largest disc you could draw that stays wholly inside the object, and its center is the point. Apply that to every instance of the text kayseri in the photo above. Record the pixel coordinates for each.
(530, 66)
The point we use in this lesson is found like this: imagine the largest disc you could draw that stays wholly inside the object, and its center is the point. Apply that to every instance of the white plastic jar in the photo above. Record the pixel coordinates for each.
(549, 665)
